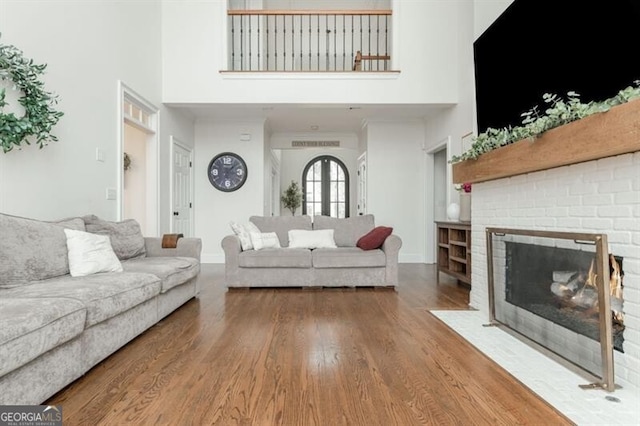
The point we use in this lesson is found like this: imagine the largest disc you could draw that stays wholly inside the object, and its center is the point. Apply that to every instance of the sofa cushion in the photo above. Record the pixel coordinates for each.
(275, 258)
(33, 250)
(104, 295)
(281, 225)
(31, 327)
(90, 253)
(321, 238)
(348, 257)
(173, 271)
(347, 230)
(243, 231)
(375, 238)
(126, 237)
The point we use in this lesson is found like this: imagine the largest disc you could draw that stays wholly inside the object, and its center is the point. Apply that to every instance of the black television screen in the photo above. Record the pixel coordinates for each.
(537, 47)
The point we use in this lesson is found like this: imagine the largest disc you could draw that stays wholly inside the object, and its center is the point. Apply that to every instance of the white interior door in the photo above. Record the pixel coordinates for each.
(362, 185)
(182, 204)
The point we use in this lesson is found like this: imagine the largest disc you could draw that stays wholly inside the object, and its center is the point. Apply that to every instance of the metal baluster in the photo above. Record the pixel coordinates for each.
(344, 43)
(242, 42)
(326, 46)
(370, 63)
(293, 43)
(275, 42)
(267, 49)
(318, 42)
(301, 43)
(233, 43)
(250, 43)
(378, 42)
(284, 42)
(309, 42)
(259, 63)
(352, 42)
(335, 42)
(361, 46)
(386, 40)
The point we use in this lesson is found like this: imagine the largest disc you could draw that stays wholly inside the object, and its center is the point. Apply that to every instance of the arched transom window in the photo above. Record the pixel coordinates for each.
(326, 187)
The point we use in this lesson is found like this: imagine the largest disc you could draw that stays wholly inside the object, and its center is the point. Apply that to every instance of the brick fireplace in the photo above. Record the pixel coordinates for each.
(599, 196)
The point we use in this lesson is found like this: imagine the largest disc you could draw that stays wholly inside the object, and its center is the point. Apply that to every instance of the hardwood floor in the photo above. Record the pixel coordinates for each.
(305, 357)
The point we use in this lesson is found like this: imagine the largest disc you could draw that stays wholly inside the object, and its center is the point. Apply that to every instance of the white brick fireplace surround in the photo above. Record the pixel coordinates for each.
(601, 196)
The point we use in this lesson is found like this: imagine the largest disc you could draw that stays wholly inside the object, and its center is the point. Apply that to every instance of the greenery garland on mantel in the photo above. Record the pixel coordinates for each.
(560, 112)
(39, 113)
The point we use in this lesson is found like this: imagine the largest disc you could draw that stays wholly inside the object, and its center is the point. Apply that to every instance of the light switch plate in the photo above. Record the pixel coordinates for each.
(100, 155)
(111, 193)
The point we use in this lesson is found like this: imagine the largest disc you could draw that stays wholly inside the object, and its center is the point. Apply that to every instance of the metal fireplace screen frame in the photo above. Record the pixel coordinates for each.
(604, 303)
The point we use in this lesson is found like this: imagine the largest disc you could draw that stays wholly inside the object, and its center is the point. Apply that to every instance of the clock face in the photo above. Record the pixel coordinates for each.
(227, 172)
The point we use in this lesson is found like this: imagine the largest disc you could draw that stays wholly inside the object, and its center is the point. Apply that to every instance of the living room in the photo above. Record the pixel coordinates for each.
(174, 56)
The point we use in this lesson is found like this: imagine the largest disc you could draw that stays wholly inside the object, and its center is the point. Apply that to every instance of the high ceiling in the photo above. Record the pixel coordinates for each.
(288, 118)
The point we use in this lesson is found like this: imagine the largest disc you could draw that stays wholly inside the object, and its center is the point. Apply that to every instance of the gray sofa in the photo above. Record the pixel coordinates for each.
(344, 266)
(55, 327)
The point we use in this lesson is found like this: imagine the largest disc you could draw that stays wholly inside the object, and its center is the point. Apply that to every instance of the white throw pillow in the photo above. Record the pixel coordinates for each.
(321, 238)
(90, 253)
(264, 240)
(243, 233)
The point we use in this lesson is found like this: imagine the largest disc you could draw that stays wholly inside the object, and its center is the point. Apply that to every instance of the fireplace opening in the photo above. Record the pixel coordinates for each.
(561, 290)
(559, 284)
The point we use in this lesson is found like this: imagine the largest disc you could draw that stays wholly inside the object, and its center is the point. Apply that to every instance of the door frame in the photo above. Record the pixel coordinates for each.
(430, 240)
(173, 141)
(126, 93)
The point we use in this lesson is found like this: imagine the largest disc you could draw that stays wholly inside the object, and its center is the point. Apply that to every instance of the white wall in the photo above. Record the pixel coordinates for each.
(194, 52)
(395, 176)
(215, 209)
(88, 47)
(485, 13)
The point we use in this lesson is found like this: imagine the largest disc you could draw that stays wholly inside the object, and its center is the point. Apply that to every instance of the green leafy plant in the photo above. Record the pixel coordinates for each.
(559, 112)
(39, 113)
(292, 197)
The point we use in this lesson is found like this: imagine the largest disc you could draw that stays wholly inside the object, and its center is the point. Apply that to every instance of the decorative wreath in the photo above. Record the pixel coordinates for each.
(39, 115)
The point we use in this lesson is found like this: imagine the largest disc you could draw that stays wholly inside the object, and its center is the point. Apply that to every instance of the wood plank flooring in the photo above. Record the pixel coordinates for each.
(303, 357)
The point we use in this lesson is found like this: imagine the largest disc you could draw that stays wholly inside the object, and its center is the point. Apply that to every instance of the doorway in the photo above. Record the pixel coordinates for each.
(181, 188)
(438, 191)
(325, 180)
(138, 161)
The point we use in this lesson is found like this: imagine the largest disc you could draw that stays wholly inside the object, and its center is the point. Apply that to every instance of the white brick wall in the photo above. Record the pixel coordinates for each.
(598, 196)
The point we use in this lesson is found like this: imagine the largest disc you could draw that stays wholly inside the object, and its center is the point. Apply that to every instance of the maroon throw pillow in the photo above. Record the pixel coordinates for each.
(375, 238)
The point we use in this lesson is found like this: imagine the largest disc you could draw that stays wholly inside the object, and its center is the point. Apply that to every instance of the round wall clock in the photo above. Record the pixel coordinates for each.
(227, 172)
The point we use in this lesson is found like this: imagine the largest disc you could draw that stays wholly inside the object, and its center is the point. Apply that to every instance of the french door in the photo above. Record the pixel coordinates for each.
(325, 180)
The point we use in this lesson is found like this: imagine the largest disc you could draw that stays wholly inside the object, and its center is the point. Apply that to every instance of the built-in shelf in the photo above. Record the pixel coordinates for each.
(454, 250)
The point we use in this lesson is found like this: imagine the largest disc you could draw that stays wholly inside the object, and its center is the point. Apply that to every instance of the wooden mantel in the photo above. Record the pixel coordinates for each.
(614, 132)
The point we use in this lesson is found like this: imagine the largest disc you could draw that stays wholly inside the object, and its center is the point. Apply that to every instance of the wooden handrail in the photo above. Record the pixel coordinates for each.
(308, 12)
(357, 63)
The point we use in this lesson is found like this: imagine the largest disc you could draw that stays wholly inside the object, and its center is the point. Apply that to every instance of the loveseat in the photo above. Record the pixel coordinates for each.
(54, 327)
(345, 265)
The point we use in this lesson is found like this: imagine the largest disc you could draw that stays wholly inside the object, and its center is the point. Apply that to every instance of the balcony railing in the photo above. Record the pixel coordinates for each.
(309, 40)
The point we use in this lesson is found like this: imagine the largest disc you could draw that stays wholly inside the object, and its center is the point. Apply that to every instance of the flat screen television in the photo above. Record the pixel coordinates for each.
(537, 47)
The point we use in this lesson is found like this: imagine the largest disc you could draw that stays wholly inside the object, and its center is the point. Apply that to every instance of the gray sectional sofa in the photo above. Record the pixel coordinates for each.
(55, 327)
(343, 266)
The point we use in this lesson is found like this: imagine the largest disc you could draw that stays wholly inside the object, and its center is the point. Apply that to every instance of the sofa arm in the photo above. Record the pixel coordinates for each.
(186, 247)
(232, 248)
(391, 248)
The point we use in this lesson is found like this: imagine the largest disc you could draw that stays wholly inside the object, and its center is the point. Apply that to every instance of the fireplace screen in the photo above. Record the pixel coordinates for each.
(561, 290)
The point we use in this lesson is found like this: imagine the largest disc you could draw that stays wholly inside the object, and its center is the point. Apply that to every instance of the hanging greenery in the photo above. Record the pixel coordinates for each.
(39, 113)
(560, 111)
